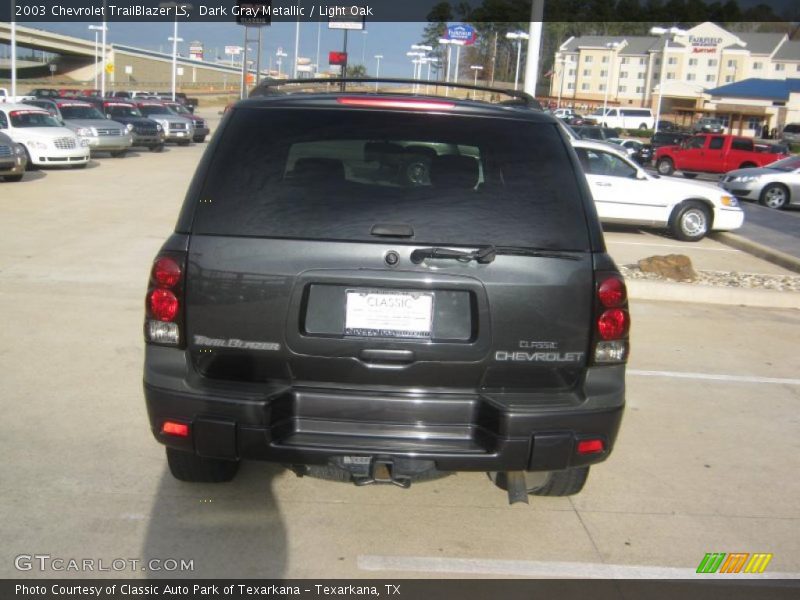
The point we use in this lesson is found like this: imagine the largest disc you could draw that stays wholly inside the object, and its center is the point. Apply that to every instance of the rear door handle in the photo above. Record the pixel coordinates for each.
(386, 356)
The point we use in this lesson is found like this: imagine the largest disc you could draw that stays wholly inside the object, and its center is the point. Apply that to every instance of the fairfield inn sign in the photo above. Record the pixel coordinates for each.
(704, 44)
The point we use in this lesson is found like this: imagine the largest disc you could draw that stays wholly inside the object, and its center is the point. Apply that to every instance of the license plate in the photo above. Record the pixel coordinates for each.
(179, 134)
(388, 314)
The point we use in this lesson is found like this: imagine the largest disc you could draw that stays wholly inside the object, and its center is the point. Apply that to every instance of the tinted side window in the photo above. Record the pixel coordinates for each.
(716, 143)
(3, 120)
(742, 144)
(333, 174)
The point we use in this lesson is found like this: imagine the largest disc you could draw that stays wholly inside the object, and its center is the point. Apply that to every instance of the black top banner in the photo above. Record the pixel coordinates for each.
(497, 11)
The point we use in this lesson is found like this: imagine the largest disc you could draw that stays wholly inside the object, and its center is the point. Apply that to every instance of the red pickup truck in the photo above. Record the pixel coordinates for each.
(714, 153)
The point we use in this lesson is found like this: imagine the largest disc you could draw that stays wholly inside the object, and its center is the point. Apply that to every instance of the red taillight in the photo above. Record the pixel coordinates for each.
(612, 292)
(613, 324)
(166, 272)
(176, 429)
(163, 304)
(595, 446)
(395, 103)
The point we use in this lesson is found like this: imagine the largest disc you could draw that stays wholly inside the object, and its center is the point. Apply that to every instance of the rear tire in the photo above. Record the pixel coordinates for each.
(13, 178)
(184, 142)
(690, 175)
(157, 148)
(186, 466)
(643, 126)
(691, 221)
(30, 166)
(774, 195)
(118, 153)
(563, 483)
(199, 139)
(665, 166)
(747, 165)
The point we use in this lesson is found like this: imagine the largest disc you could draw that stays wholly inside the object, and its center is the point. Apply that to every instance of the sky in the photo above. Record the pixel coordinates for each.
(392, 40)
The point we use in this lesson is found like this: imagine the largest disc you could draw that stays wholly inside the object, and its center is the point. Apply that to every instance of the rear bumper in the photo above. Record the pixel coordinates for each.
(457, 431)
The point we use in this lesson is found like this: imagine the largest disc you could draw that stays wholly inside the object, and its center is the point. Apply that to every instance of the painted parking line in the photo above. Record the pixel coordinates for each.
(613, 242)
(715, 377)
(533, 568)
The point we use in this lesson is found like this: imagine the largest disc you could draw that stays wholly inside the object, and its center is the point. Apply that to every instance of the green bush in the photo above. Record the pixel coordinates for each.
(794, 148)
(638, 133)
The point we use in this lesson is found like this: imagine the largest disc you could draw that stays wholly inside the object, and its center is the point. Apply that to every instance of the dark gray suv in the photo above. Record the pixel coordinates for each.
(383, 288)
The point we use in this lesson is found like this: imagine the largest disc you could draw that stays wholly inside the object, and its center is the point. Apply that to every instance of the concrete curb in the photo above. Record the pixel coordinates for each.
(639, 289)
(776, 257)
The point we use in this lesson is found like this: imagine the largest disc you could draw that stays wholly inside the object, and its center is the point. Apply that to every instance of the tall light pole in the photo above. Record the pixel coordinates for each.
(174, 39)
(611, 47)
(415, 60)
(670, 33)
(562, 62)
(378, 58)
(281, 55)
(518, 36)
(103, 61)
(319, 36)
(476, 69)
(446, 42)
(13, 51)
(96, 29)
(364, 47)
(296, 46)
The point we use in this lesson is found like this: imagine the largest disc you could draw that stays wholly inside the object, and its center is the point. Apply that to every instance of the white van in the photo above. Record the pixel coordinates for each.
(625, 118)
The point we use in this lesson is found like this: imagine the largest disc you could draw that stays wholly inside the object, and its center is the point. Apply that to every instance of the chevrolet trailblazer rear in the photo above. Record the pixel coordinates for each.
(384, 288)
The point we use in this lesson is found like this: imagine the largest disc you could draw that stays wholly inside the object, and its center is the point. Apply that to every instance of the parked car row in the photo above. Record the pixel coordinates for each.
(59, 131)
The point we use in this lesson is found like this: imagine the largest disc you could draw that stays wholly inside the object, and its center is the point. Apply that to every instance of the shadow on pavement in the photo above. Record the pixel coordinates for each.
(229, 530)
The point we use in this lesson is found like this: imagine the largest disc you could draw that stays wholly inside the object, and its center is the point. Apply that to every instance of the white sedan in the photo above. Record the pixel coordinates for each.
(46, 141)
(624, 193)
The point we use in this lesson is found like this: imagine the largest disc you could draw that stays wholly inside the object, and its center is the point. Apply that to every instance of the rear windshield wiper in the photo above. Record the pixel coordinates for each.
(486, 254)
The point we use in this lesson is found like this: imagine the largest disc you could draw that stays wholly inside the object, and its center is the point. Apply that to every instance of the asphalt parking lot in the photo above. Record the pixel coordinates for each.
(706, 460)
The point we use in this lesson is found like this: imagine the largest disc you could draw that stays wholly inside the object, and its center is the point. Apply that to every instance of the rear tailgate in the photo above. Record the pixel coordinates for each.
(292, 276)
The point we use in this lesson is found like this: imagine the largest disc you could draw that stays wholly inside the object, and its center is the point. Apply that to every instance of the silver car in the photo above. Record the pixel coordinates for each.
(176, 129)
(708, 125)
(101, 134)
(776, 185)
(791, 133)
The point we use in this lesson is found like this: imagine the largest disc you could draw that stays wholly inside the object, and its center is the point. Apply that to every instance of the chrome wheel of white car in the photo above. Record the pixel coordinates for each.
(775, 196)
(691, 222)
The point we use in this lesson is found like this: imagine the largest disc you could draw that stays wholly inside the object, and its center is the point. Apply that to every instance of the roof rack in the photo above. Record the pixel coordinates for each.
(270, 86)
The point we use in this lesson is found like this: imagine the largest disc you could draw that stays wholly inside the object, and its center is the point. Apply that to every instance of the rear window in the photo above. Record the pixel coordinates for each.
(792, 128)
(334, 174)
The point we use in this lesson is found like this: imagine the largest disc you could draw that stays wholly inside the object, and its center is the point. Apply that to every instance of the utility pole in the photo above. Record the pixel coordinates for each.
(534, 47)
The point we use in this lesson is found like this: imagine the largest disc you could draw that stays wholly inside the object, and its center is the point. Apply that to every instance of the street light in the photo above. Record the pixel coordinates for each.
(378, 58)
(364, 47)
(457, 43)
(518, 36)
(562, 62)
(670, 33)
(416, 61)
(96, 29)
(611, 47)
(476, 69)
(281, 55)
(174, 39)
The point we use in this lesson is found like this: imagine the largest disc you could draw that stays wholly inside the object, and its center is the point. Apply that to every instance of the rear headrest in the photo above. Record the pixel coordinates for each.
(454, 171)
(318, 170)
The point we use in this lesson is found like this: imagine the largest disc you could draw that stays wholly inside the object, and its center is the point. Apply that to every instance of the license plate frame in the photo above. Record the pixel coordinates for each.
(396, 314)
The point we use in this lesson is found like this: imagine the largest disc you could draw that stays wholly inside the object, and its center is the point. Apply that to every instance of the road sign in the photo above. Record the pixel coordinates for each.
(462, 33)
(110, 68)
(233, 50)
(128, 70)
(346, 23)
(337, 58)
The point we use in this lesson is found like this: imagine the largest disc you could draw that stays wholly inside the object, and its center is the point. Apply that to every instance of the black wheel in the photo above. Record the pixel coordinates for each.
(186, 466)
(157, 148)
(184, 142)
(665, 166)
(690, 175)
(199, 139)
(690, 221)
(747, 165)
(643, 126)
(13, 178)
(118, 153)
(563, 483)
(30, 166)
(774, 195)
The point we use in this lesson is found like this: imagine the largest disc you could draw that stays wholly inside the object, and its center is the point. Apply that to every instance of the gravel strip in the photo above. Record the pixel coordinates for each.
(732, 279)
